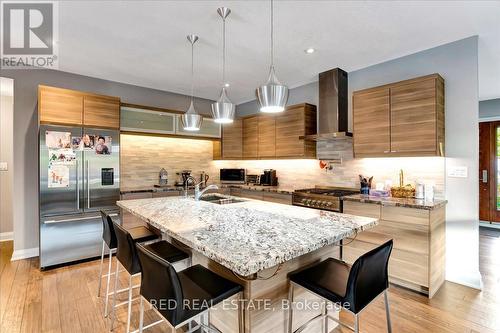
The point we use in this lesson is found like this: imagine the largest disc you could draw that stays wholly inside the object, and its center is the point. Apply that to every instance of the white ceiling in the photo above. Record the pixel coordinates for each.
(144, 42)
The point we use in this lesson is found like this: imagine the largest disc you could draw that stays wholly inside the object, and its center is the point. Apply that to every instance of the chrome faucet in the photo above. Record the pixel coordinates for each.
(186, 182)
(198, 193)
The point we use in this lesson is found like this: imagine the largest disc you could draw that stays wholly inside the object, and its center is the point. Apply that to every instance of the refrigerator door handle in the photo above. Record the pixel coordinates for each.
(88, 184)
(76, 219)
(77, 186)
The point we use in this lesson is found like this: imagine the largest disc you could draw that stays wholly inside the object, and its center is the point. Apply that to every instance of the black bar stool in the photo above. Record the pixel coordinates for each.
(139, 234)
(126, 255)
(353, 288)
(181, 297)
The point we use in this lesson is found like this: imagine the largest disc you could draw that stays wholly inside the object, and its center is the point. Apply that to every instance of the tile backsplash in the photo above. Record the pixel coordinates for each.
(142, 157)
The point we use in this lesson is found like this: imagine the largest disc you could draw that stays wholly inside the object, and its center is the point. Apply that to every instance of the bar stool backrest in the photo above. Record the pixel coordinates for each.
(368, 277)
(126, 251)
(108, 232)
(160, 285)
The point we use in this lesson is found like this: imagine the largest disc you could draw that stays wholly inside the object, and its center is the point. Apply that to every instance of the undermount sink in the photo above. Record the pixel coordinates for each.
(219, 199)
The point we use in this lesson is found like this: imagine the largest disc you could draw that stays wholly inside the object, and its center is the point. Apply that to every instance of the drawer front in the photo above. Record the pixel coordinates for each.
(281, 198)
(403, 265)
(412, 216)
(406, 240)
(361, 209)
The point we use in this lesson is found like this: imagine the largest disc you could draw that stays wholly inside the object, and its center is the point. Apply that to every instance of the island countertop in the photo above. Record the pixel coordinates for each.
(249, 236)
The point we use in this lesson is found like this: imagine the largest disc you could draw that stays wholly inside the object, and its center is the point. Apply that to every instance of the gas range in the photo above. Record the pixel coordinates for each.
(326, 198)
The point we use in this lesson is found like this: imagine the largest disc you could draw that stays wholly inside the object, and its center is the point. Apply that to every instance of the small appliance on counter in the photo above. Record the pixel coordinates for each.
(232, 176)
(182, 177)
(162, 178)
(268, 178)
(253, 180)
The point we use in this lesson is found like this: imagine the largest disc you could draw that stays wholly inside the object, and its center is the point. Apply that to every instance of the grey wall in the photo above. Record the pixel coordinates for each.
(454, 61)
(25, 214)
(489, 108)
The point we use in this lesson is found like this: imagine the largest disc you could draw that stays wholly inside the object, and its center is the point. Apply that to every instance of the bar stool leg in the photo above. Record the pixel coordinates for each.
(129, 302)
(100, 271)
(113, 311)
(141, 315)
(290, 306)
(325, 319)
(356, 323)
(387, 312)
(107, 284)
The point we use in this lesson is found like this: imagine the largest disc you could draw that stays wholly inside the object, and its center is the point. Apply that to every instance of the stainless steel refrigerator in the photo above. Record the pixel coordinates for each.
(75, 184)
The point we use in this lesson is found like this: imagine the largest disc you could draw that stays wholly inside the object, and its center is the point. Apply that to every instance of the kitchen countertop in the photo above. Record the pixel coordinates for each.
(249, 236)
(274, 189)
(399, 202)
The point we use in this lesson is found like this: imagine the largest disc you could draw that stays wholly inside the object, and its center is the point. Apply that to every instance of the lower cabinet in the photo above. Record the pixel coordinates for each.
(282, 198)
(418, 256)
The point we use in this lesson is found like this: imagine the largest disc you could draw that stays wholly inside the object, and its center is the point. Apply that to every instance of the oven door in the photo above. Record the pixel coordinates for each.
(232, 176)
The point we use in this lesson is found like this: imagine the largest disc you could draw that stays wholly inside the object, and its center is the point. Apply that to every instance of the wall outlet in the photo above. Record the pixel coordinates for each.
(3, 166)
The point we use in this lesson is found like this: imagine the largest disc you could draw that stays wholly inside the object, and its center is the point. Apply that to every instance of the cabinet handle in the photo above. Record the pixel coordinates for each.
(394, 151)
(386, 151)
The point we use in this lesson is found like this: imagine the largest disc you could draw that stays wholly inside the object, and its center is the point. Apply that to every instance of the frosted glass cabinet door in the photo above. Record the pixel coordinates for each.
(147, 121)
(209, 128)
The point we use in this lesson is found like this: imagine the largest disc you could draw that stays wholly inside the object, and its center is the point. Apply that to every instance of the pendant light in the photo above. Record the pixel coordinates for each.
(273, 95)
(223, 109)
(191, 120)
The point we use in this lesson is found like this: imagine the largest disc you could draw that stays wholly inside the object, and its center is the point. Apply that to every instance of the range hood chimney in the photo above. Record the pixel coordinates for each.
(332, 112)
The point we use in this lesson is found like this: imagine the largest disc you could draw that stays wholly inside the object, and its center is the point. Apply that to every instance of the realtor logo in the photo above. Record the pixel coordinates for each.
(29, 32)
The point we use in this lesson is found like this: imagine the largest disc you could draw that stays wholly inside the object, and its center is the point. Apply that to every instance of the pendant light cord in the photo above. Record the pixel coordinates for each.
(272, 34)
(192, 70)
(223, 51)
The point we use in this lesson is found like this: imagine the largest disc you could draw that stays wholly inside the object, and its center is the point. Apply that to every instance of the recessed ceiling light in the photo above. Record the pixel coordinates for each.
(310, 50)
(226, 85)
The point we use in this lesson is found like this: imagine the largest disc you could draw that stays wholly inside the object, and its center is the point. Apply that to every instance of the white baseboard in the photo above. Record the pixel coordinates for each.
(6, 236)
(24, 254)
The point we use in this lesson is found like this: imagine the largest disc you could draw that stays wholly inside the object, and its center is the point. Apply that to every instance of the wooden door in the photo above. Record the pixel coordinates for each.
(232, 140)
(371, 122)
(489, 151)
(289, 127)
(267, 136)
(60, 106)
(101, 111)
(413, 117)
(250, 137)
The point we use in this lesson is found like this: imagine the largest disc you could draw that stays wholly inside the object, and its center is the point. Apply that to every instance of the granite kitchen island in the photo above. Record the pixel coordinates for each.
(253, 243)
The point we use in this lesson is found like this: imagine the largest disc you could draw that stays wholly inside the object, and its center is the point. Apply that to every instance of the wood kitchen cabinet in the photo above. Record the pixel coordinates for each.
(371, 122)
(291, 126)
(71, 107)
(400, 119)
(232, 144)
(101, 111)
(267, 136)
(418, 256)
(60, 106)
(250, 137)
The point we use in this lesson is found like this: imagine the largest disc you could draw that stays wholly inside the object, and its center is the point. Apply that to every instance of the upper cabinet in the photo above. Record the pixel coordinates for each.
(291, 126)
(71, 107)
(266, 145)
(232, 147)
(250, 137)
(101, 111)
(60, 106)
(400, 119)
(266, 136)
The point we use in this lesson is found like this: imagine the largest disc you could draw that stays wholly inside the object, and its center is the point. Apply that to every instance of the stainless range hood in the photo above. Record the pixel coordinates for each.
(332, 112)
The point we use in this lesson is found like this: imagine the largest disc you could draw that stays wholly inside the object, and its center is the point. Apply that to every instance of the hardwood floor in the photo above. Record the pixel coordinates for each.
(65, 300)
